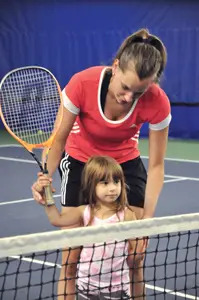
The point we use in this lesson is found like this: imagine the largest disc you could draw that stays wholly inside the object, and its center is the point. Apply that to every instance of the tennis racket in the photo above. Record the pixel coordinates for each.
(31, 109)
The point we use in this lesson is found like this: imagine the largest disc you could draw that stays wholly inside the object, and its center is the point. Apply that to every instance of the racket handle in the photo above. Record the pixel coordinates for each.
(48, 196)
(48, 192)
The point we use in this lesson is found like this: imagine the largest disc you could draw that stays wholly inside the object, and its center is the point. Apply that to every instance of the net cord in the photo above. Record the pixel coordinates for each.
(23, 244)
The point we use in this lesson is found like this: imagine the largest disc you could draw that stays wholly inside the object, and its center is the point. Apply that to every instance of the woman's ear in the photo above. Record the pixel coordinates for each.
(115, 66)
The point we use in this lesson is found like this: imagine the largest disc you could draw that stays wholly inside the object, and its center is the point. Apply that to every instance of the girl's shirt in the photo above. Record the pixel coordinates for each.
(94, 134)
(104, 267)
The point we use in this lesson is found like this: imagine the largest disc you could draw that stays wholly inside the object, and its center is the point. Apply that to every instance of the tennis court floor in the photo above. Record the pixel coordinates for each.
(19, 214)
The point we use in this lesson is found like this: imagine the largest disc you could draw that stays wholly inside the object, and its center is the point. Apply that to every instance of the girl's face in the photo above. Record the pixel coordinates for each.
(126, 87)
(108, 191)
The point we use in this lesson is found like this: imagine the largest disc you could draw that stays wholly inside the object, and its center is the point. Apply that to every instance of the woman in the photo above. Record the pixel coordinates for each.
(105, 108)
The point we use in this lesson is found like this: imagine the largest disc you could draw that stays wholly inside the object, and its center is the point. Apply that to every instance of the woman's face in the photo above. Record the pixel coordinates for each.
(127, 87)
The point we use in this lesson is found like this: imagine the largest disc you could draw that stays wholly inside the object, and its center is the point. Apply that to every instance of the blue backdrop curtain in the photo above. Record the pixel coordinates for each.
(68, 36)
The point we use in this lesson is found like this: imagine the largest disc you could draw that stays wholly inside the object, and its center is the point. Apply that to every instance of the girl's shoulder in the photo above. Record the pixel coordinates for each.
(129, 214)
(81, 208)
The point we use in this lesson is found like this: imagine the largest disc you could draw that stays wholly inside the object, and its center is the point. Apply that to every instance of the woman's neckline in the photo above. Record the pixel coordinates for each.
(103, 94)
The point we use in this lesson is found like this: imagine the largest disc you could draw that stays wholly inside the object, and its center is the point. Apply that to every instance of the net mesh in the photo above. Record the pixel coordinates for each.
(29, 99)
(30, 265)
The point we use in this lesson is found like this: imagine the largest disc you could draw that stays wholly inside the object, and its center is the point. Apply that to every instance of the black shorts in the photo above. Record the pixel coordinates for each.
(71, 169)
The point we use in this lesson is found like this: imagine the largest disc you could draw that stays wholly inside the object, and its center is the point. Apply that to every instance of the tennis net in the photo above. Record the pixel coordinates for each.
(30, 264)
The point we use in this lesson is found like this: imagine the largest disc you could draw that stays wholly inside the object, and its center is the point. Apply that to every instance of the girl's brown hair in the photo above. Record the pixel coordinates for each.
(101, 168)
(147, 53)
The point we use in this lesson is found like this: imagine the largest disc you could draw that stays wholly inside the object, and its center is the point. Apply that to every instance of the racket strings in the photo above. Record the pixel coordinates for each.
(29, 102)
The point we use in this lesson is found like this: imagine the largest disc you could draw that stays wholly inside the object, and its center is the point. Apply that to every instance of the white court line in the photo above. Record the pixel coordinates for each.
(36, 261)
(148, 286)
(174, 177)
(11, 145)
(22, 200)
(34, 162)
(142, 156)
(18, 159)
(182, 177)
(176, 159)
(179, 294)
(174, 180)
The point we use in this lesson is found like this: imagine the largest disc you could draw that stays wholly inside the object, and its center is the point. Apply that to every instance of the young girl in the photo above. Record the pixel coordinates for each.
(103, 271)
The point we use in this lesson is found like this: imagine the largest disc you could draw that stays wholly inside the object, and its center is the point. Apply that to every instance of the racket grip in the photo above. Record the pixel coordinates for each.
(48, 196)
(48, 192)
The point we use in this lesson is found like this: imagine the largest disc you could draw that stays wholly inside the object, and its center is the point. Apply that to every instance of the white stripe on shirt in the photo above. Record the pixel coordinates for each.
(163, 124)
(69, 105)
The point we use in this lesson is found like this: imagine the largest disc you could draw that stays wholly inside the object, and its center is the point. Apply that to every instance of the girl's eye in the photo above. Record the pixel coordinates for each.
(104, 182)
(116, 180)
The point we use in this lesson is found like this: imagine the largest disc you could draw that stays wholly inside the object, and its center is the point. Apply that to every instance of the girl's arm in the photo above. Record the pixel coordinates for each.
(157, 149)
(71, 215)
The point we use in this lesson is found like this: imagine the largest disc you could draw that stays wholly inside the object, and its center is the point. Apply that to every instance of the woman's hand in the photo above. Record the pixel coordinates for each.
(137, 251)
(38, 187)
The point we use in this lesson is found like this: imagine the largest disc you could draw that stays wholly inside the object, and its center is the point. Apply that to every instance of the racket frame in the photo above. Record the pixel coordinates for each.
(47, 144)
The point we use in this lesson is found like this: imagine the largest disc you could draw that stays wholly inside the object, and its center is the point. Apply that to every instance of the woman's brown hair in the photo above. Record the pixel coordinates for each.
(101, 168)
(147, 53)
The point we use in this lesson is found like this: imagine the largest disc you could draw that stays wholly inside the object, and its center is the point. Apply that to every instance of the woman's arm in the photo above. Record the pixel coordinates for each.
(157, 150)
(59, 142)
(130, 216)
(135, 245)
(136, 249)
(57, 149)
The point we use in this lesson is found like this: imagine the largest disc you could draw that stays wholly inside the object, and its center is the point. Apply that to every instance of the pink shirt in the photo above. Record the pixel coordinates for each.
(105, 259)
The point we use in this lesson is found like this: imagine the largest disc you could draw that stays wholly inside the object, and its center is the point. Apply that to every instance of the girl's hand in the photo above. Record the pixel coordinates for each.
(38, 187)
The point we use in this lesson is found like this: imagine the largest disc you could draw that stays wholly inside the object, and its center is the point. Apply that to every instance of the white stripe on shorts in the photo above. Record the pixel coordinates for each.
(64, 166)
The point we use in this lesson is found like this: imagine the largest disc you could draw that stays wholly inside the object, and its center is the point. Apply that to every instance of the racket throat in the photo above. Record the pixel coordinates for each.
(38, 161)
(45, 170)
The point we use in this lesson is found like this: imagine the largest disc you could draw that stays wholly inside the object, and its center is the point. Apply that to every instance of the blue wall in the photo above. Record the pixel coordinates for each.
(68, 36)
